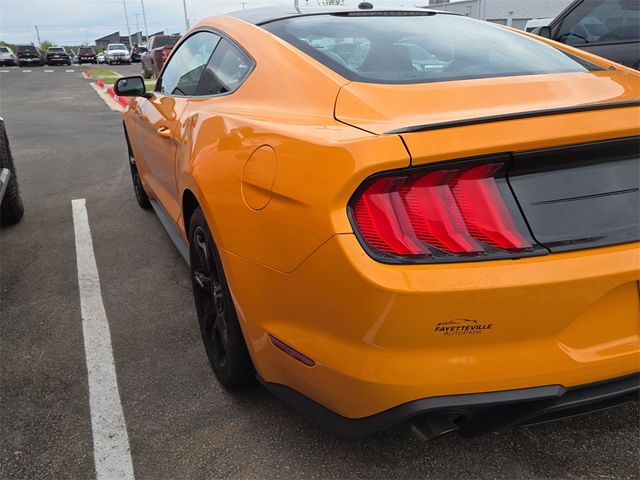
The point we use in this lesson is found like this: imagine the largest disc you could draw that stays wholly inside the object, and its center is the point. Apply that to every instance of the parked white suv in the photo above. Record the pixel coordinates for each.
(7, 57)
(117, 53)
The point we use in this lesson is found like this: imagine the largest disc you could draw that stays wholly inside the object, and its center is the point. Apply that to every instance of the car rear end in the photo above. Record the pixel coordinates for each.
(7, 57)
(493, 278)
(162, 46)
(28, 55)
(58, 56)
(86, 55)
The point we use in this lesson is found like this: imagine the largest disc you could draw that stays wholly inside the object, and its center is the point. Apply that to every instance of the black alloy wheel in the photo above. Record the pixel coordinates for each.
(138, 188)
(219, 326)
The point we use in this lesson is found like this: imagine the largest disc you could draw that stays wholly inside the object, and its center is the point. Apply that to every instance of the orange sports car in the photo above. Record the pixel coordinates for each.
(400, 216)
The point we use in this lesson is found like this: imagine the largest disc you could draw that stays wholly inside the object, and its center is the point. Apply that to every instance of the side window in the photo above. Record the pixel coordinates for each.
(601, 21)
(226, 70)
(182, 74)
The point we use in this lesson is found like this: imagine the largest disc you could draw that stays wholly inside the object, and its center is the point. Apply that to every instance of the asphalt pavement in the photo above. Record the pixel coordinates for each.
(69, 145)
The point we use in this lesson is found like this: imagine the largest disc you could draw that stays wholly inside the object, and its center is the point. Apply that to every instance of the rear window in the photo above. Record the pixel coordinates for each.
(117, 46)
(26, 49)
(166, 41)
(4, 50)
(416, 47)
(56, 49)
(85, 51)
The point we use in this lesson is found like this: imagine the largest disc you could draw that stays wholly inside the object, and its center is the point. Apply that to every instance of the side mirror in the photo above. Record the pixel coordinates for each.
(543, 32)
(131, 87)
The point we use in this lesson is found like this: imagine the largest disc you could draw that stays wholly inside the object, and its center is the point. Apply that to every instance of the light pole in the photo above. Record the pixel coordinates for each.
(38, 36)
(126, 17)
(138, 34)
(186, 19)
(144, 19)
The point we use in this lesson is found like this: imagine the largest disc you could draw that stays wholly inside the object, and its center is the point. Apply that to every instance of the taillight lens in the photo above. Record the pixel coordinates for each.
(457, 213)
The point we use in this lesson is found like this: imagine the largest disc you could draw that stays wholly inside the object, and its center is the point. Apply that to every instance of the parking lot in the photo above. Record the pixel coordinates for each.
(69, 145)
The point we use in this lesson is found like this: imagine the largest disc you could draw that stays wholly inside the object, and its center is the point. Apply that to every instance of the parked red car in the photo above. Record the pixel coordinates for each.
(159, 48)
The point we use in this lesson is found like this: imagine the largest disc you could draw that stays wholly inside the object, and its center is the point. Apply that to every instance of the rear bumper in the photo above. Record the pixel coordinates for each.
(475, 413)
(386, 335)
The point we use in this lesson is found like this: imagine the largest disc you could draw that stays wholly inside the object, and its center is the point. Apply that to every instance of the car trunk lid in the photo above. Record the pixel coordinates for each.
(576, 187)
(390, 108)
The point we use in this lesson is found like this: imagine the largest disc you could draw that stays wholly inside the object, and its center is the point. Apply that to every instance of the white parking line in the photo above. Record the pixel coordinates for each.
(26, 71)
(5, 71)
(70, 71)
(111, 451)
(48, 71)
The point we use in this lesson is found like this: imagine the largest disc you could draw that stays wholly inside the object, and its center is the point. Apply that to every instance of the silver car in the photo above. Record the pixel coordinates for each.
(7, 57)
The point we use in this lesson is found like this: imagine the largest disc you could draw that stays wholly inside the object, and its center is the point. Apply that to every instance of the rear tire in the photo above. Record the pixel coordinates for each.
(219, 326)
(11, 209)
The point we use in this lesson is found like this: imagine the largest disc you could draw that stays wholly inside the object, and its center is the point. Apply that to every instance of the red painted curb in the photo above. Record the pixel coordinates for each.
(123, 101)
(87, 74)
(100, 83)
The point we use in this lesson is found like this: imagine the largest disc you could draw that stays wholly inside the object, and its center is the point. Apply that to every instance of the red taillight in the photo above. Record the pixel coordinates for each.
(438, 215)
(484, 210)
(383, 221)
(165, 53)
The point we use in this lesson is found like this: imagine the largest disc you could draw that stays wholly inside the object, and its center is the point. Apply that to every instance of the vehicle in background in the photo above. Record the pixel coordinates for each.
(29, 55)
(100, 57)
(136, 53)
(117, 53)
(11, 207)
(160, 47)
(58, 56)
(7, 57)
(86, 55)
(537, 23)
(608, 28)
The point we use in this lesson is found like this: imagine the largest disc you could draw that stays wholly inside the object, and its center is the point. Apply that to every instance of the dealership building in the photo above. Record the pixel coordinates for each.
(513, 13)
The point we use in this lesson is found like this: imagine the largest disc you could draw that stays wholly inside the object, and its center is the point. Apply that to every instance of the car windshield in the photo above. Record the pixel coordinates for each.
(56, 50)
(85, 51)
(117, 46)
(417, 47)
(601, 21)
(26, 48)
(166, 41)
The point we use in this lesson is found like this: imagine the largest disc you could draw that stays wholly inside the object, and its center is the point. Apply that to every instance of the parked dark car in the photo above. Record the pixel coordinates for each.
(136, 53)
(11, 207)
(28, 55)
(58, 56)
(160, 47)
(86, 55)
(608, 28)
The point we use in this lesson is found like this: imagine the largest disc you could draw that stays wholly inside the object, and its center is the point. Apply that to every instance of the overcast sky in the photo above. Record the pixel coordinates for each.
(65, 21)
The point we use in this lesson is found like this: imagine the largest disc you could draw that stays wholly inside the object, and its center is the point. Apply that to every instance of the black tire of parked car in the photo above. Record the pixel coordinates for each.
(219, 326)
(11, 208)
(138, 188)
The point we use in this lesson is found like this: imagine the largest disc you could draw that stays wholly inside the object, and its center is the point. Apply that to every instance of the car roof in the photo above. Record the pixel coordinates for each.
(262, 15)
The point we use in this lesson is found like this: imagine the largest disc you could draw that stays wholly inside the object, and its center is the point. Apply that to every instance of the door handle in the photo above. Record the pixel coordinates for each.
(164, 132)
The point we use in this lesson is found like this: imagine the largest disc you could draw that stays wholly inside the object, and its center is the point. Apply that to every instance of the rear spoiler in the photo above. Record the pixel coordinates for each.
(513, 116)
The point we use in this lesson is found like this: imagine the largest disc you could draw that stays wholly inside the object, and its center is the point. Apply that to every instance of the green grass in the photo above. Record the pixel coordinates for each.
(103, 73)
(108, 80)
